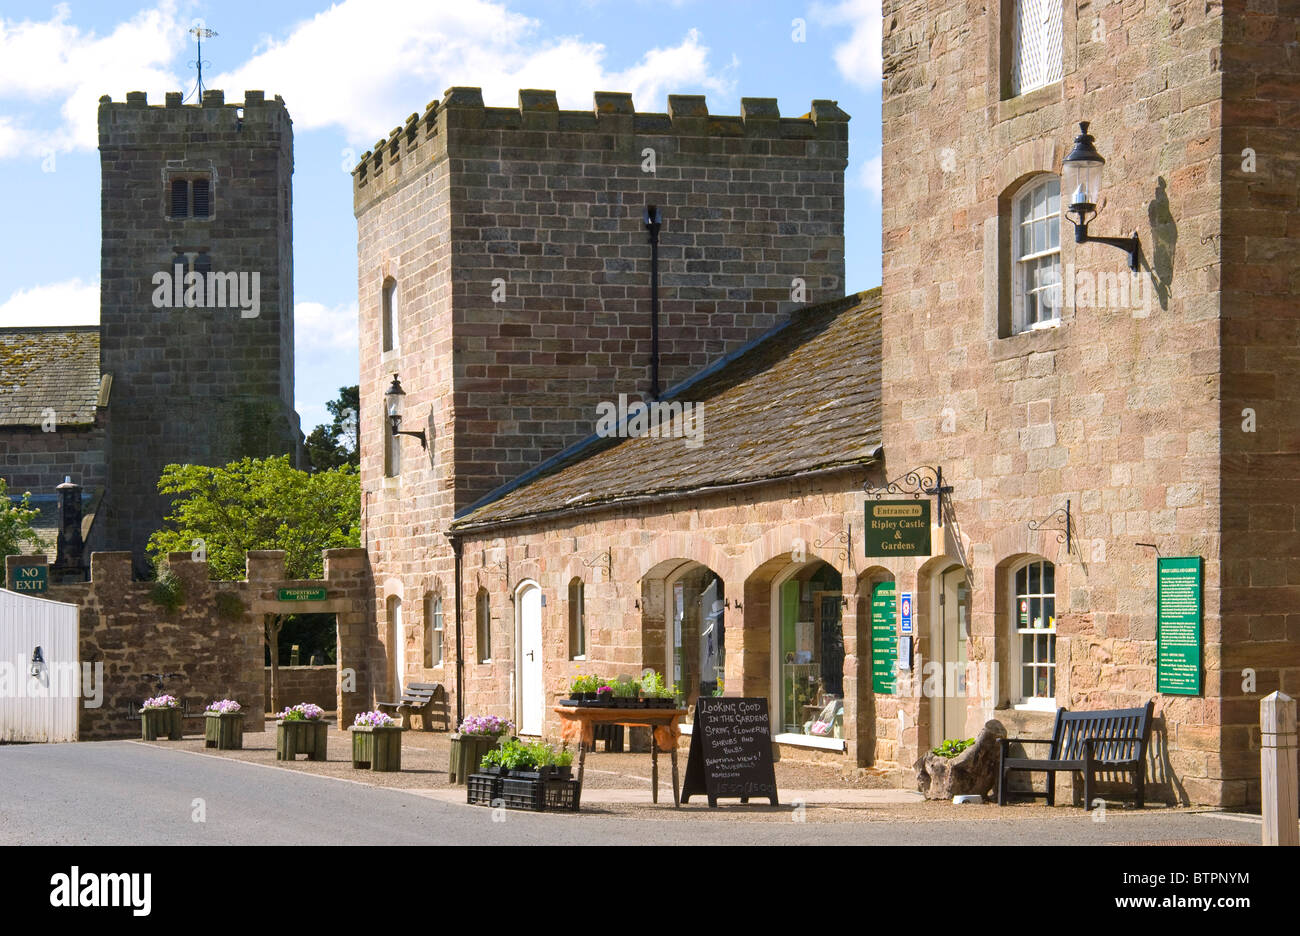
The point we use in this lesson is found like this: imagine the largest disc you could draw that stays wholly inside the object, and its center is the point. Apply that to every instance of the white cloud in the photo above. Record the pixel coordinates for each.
(318, 327)
(55, 61)
(347, 67)
(70, 302)
(859, 57)
(869, 176)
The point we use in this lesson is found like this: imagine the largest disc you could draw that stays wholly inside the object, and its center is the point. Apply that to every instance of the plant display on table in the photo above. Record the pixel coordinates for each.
(224, 707)
(605, 693)
(374, 720)
(489, 726)
(160, 702)
(303, 711)
(583, 685)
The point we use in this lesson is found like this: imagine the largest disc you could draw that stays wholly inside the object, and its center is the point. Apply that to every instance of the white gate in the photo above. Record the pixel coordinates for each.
(38, 636)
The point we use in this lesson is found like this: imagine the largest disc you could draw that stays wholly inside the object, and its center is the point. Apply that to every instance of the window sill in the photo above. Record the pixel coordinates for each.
(811, 741)
(1036, 705)
(1032, 341)
(1030, 101)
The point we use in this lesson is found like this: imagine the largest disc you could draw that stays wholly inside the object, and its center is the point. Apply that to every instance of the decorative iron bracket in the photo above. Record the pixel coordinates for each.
(1064, 529)
(844, 537)
(605, 559)
(923, 481)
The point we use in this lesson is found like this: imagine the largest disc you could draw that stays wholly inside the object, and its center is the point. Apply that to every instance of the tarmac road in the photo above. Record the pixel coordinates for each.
(123, 793)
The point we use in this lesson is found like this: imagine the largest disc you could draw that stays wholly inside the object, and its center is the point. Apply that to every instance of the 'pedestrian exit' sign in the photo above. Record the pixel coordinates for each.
(301, 594)
(31, 579)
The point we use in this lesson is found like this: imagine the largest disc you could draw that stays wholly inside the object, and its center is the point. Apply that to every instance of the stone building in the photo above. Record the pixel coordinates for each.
(1085, 423)
(191, 373)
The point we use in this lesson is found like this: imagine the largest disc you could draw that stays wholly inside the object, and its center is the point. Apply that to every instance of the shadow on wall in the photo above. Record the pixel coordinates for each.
(1164, 238)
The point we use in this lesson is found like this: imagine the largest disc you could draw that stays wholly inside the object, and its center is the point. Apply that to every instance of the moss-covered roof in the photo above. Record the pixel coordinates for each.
(802, 398)
(49, 367)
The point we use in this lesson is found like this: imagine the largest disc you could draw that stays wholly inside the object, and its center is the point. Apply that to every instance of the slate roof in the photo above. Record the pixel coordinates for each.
(49, 366)
(804, 397)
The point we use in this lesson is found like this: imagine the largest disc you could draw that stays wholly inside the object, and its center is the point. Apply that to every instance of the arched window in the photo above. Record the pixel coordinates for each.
(390, 314)
(577, 620)
(1036, 254)
(1033, 622)
(433, 630)
(483, 630)
(396, 645)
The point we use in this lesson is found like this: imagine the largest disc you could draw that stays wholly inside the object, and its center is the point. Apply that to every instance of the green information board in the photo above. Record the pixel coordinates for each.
(31, 579)
(897, 528)
(884, 639)
(1178, 625)
(301, 594)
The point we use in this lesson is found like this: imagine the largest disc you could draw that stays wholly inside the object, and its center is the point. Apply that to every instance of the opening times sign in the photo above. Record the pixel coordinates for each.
(884, 640)
(1178, 625)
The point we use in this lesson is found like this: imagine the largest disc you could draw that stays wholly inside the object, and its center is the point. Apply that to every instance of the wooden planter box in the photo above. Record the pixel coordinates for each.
(160, 723)
(466, 753)
(223, 731)
(301, 737)
(377, 748)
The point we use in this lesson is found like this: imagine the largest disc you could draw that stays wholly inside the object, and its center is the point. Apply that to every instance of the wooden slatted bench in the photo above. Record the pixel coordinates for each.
(1114, 740)
(419, 699)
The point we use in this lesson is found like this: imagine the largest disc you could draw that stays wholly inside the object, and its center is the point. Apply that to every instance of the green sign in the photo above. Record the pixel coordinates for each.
(31, 579)
(1178, 625)
(301, 594)
(884, 639)
(898, 528)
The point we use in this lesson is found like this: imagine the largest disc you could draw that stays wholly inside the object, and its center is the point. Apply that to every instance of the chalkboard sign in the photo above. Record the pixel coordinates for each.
(731, 751)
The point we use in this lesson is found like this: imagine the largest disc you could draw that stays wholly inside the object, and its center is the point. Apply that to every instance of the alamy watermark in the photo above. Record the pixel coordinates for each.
(176, 289)
(54, 680)
(667, 420)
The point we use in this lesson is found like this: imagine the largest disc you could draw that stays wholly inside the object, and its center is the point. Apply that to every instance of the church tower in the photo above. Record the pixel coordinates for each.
(196, 293)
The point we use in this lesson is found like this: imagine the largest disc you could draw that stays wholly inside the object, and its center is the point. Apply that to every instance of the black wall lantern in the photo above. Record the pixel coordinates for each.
(1081, 175)
(395, 402)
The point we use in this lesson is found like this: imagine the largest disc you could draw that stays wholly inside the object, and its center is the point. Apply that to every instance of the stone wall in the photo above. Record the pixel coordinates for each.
(315, 684)
(193, 385)
(211, 649)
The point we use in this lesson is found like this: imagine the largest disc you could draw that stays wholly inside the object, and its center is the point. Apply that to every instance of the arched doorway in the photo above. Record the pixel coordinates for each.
(531, 696)
(695, 638)
(808, 652)
(945, 676)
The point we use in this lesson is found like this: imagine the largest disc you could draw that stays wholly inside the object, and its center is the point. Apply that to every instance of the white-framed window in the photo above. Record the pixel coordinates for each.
(1035, 44)
(483, 620)
(577, 620)
(1034, 627)
(433, 630)
(1036, 254)
(389, 315)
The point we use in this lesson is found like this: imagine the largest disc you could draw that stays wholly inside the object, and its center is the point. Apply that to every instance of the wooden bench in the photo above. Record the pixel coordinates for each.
(419, 699)
(1114, 740)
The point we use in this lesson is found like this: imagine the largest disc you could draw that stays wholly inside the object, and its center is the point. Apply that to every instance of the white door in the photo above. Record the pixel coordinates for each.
(38, 643)
(950, 634)
(532, 692)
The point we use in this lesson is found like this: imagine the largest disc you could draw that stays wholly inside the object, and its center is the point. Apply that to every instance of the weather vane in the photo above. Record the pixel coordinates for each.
(199, 32)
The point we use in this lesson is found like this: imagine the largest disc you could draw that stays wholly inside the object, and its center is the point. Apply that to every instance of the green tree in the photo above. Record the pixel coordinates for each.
(259, 504)
(16, 523)
(329, 446)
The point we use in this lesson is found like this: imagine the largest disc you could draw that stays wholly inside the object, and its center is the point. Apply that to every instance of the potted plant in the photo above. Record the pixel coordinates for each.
(160, 717)
(223, 726)
(583, 689)
(521, 760)
(477, 735)
(376, 741)
(605, 695)
(627, 693)
(301, 729)
(563, 764)
(656, 694)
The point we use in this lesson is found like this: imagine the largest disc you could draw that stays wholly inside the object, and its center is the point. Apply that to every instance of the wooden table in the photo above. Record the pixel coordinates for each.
(578, 723)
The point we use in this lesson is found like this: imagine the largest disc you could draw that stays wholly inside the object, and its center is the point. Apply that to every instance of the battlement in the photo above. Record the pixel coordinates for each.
(121, 122)
(541, 124)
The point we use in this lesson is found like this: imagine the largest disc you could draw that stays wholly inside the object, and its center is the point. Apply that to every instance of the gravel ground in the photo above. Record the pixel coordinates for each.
(424, 767)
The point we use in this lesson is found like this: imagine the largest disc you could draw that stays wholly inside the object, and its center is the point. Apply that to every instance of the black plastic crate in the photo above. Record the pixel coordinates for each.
(482, 789)
(540, 795)
(563, 795)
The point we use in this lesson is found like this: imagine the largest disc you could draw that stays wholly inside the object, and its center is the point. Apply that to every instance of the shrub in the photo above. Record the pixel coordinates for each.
(951, 747)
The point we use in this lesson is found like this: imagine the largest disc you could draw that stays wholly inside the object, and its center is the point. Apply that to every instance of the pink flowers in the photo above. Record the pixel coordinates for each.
(303, 711)
(374, 720)
(224, 707)
(160, 702)
(489, 725)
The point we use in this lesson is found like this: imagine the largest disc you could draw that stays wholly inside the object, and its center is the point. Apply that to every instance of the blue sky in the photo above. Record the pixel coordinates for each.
(351, 71)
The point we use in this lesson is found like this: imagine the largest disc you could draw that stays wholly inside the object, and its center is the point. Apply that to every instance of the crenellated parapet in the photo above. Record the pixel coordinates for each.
(256, 119)
(539, 123)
